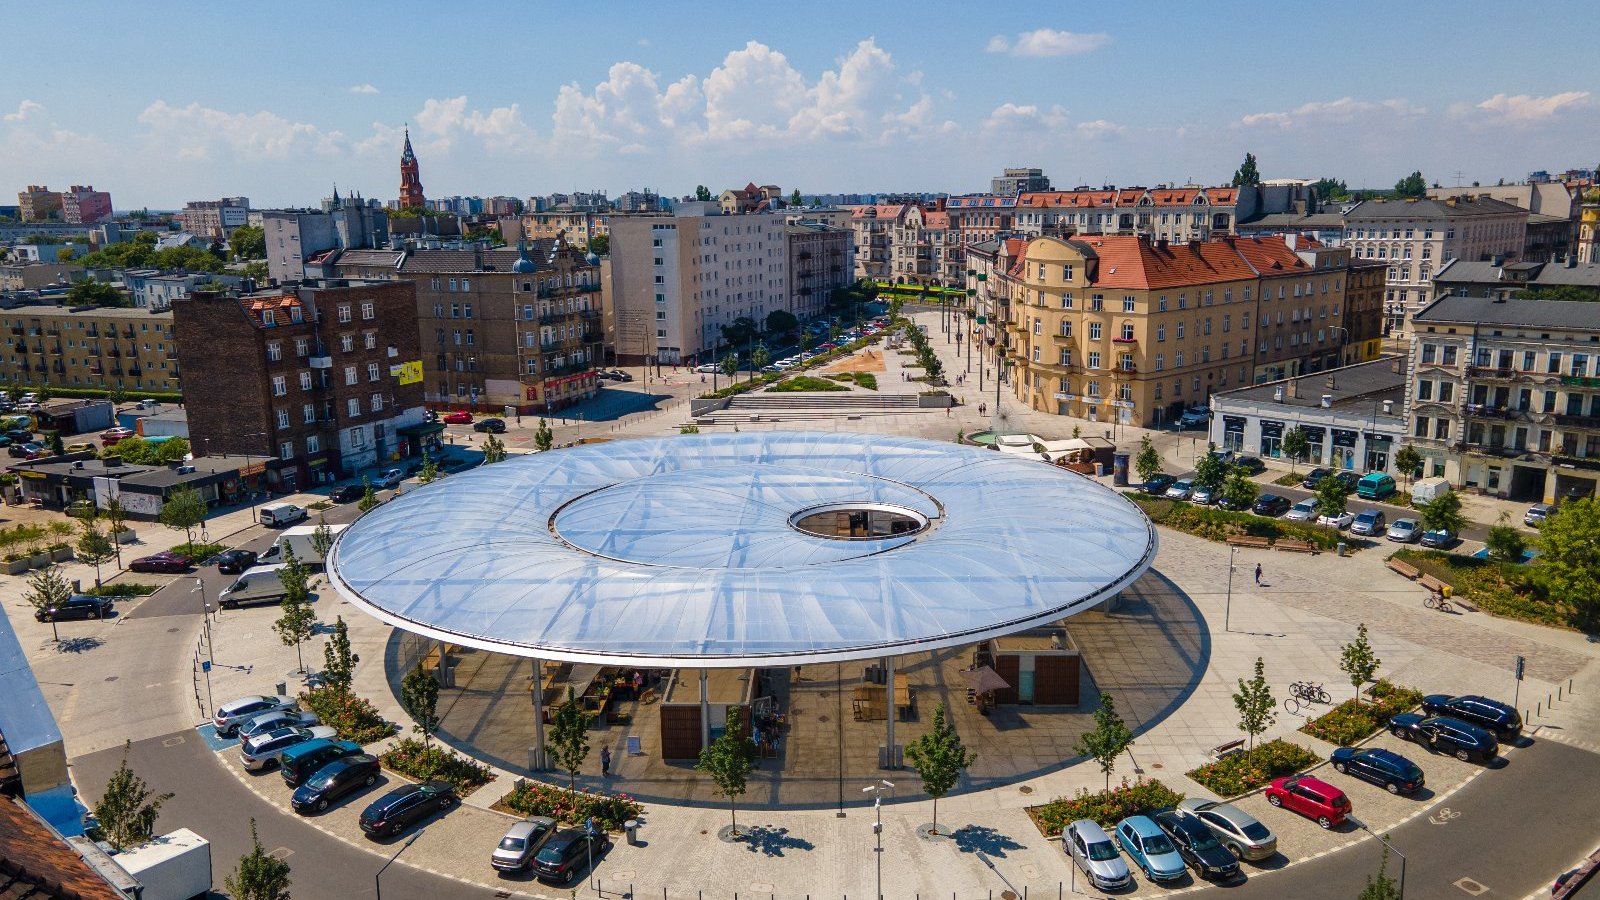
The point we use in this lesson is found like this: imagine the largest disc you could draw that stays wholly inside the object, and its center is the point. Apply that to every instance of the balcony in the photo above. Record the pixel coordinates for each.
(53, 332)
(129, 333)
(55, 350)
(94, 350)
(20, 347)
(1577, 462)
(1491, 372)
(113, 352)
(1572, 421)
(1128, 367)
(58, 367)
(135, 371)
(1483, 449)
(17, 330)
(116, 371)
(96, 369)
(92, 333)
(1484, 411)
(1580, 381)
(41, 367)
(590, 313)
(320, 361)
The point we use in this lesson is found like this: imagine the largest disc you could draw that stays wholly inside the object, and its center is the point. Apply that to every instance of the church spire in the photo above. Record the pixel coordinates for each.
(410, 176)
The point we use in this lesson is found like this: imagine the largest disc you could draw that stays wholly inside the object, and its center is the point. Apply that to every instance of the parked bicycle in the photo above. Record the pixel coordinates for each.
(1437, 601)
(1309, 692)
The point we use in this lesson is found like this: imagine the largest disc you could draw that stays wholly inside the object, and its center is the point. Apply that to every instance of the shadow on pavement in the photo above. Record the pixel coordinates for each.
(986, 840)
(770, 841)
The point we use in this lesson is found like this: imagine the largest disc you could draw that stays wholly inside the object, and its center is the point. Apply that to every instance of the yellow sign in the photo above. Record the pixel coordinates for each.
(408, 372)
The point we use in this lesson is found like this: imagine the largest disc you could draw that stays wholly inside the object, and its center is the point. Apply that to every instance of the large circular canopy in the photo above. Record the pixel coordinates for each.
(770, 548)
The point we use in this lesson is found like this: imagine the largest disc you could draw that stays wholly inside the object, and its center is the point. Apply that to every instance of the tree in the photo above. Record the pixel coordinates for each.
(1569, 561)
(65, 255)
(116, 518)
(494, 450)
(93, 547)
(90, 292)
(1381, 886)
(43, 392)
(1107, 740)
(1330, 189)
(1333, 496)
(48, 589)
(430, 470)
(1257, 709)
(1571, 293)
(781, 321)
(759, 359)
(248, 242)
(1408, 460)
(338, 662)
(184, 509)
(1413, 185)
(127, 810)
(1247, 175)
(299, 620)
(727, 761)
(730, 366)
(939, 759)
(53, 443)
(1239, 491)
(117, 395)
(322, 537)
(569, 738)
(795, 199)
(369, 497)
(1357, 660)
(542, 438)
(1148, 462)
(1504, 542)
(259, 875)
(701, 192)
(689, 429)
(1210, 473)
(1295, 446)
(1443, 513)
(740, 332)
(419, 697)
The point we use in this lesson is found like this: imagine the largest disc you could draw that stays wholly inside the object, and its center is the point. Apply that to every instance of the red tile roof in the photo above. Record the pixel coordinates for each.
(34, 856)
(1127, 261)
(1129, 197)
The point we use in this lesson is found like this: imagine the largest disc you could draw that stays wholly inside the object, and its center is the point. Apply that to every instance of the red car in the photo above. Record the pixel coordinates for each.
(1311, 798)
(108, 438)
(458, 418)
(165, 561)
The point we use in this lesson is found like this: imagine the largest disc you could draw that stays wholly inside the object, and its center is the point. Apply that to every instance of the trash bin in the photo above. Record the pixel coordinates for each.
(1099, 470)
(1341, 548)
(281, 688)
(631, 829)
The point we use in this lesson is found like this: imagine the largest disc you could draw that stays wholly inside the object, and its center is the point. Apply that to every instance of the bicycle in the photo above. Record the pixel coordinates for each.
(1309, 692)
(1437, 601)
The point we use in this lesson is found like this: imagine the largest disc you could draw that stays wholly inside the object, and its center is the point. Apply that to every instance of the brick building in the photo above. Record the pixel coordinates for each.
(323, 373)
(819, 263)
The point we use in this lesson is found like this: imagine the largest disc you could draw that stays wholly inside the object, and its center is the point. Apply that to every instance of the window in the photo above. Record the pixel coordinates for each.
(1094, 359)
(1161, 332)
(1066, 328)
(1553, 363)
(1094, 331)
(367, 311)
(1127, 304)
(1205, 327)
(302, 346)
(1161, 362)
(1449, 356)
(455, 337)
(286, 450)
(466, 310)
(349, 374)
(305, 381)
(1424, 390)
(469, 337)
(352, 406)
(370, 340)
(283, 418)
(376, 402)
(466, 284)
(372, 371)
(1430, 352)
(1066, 272)
(274, 351)
(1038, 325)
(1127, 331)
(1421, 429)
(308, 413)
(1066, 301)
(1180, 331)
(313, 443)
(347, 343)
(1447, 390)
(1177, 359)
(1066, 357)
(1035, 352)
(455, 310)
(1441, 428)
(344, 312)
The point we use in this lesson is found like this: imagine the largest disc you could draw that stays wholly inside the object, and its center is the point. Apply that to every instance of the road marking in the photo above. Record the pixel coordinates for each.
(1444, 816)
(281, 853)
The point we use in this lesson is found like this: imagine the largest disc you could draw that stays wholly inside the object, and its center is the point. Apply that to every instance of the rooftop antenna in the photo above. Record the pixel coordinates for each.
(1457, 174)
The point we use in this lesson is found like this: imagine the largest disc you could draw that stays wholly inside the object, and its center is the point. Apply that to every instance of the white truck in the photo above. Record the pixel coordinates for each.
(175, 866)
(302, 539)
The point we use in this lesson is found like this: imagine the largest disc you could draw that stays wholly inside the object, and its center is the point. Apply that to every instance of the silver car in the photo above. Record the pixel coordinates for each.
(1180, 490)
(1240, 832)
(234, 713)
(1536, 514)
(1094, 853)
(272, 721)
(1404, 531)
(1304, 511)
(522, 840)
(264, 750)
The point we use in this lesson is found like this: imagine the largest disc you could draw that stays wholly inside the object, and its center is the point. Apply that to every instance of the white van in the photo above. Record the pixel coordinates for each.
(278, 515)
(258, 584)
(303, 539)
(1427, 489)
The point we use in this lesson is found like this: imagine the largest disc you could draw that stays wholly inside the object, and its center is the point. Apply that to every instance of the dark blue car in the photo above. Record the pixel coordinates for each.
(1388, 770)
(1493, 715)
(1463, 740)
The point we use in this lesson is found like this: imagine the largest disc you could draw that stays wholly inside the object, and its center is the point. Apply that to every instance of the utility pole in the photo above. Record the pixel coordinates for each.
(876, 790)
(1227, 611)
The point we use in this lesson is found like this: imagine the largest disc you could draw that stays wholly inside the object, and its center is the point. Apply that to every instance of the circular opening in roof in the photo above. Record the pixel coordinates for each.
(858, 521)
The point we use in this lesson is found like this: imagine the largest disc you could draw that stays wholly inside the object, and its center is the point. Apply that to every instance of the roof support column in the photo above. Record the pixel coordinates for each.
(536, 758)
(705, 709)
(891, 758)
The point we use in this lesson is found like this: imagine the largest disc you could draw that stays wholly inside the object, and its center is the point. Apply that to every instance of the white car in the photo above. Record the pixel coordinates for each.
(234, 713)
(1341, 521)
(707, 368)
(389, 479)
(1304, 511)
(272, 721)
(263, 750)
(1205, 496)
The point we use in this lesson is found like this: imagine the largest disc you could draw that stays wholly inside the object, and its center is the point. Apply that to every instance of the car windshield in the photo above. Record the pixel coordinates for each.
(1366, 517)
(1202, 840)
(1102, 850)
(325, 777)
(512, 843)
(1256, 831)
(1157, 843)
(553, 852)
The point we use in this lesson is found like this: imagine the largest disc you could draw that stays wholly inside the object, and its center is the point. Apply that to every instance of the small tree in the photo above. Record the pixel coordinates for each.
(727, 761)
(1247, 175)
(493, 450)
(1381, 886)
(259, 875)
(1107, 740)
(542, 438)
(569, 738)
(1443, 513)
(1504, 542)
(429, 471)
(689, 429)
(1569, 542)
(1357, 660)
(1210, 473)
(298, 621)
(338, 662)
(1148, 462)
(1239, 491)
(730, 366)
(185, 509)
(48, 589)
(127, 810)
(93, 547)
(419, 696)
(116, 518)
(369, 497)
(44, 393)
(1257, 709)
(939, 759)
(1408, 460)
(1295, 446)
(1333, 496)
(54, 444)
(759, 358)
(322, 537)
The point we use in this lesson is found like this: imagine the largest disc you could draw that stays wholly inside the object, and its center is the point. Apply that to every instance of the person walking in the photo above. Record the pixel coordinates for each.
(605, 762)
(1258, 574)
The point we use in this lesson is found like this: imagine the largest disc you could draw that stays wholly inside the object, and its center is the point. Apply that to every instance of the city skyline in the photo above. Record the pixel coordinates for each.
(875, 100)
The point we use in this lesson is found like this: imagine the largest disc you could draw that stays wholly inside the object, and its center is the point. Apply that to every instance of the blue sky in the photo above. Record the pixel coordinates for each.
(278, 101)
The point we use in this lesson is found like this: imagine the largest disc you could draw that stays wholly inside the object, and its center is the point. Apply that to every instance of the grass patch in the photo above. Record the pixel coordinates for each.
(1354, 720)
(805, 383)
(122, 589)
(419, 762)
(1216, 524)
(353, 717)
(533, 798)
(320, 505)
(1289, 480)
(1243, 772)
(866, 380)
(1104, 807)
(199, 552)
(1509, 590)
(842, 376)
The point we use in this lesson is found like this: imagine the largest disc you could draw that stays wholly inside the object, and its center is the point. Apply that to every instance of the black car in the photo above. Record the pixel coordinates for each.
(1481, 711)
(491, 425)
(347, 493)
(1159, 483)
(1197, 845)
(1251, 465)
(568, 851)
(78, 606)
(333, 781)
(1270, 505)
(406, 805)
(1314, 476)
(1348, 479)
(1390, 771)
(235, 560)
(20, 451)
(19, 435)
(1464, 740)
(619, 375)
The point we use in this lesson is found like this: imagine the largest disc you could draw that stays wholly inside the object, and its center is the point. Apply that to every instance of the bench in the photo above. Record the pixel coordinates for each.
(1433, 584)
(1245, 540)
(1231, 748)
(1403, 567)
(1295, 546)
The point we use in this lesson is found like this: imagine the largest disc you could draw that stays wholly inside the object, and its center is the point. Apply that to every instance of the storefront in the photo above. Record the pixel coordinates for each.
(1271, 438)
(1380, 449)
(1344, 450)
(421, 436)
(1233, 433)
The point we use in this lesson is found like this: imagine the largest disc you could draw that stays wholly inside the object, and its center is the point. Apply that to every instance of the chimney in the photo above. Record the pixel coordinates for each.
(1327, 401)
(1294, 388)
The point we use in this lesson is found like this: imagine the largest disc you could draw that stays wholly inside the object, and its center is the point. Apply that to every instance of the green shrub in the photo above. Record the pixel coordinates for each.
(198, 551)
(122, 589)
(806, 383)
(1251, 769)
(866, 380)
(99, 393)
(354, 718)
(1509, 590)
(533, 798)
(1104, 807)
(1217, 524)
(1288, 479)
(419, 762)
(1354, 720)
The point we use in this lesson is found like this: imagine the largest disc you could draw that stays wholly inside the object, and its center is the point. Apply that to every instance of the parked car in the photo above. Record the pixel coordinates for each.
(347, 493)
(32, 450)
(1439, 538)
(619, 375)
(1341, 521)
(20, 435)
(263, 750)
(406, 805)
(1493, 715)
(458, 417)
(707, 368)
(1304, 511)
(1315, 475)
(1194, 417)
(1537, 513)
(491, 425)
(566, 851)
(79, 447)
(165, 561)
(1197, 845)
(1386, 769)
(1375, 486)
(333, 781)
(1158, 484)
(1270, 505)
(1205, 496)
(522, 840)
(1251, 465)
(1310, 797)
(1233, 505)
(1150, 848)
(388, 479)
(231, 715)
(1180, 490)
(77, 606)
(272, 721)
(112, 435)
(1463, 740)
(1348, 479)
(1404, 531)
(1096, 856)
(301, 761)
(1369, 522)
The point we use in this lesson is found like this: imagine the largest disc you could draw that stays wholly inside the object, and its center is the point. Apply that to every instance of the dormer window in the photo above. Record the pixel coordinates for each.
(268, 318)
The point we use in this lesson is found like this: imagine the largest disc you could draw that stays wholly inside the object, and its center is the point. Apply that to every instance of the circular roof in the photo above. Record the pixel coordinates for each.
(770, 548)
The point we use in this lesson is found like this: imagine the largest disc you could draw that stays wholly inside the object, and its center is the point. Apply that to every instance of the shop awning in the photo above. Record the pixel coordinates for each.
(421, 429)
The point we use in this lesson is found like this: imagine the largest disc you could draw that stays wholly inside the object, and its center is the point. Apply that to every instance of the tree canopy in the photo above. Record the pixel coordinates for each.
(248, 242)
(1247, 175)
(90, 292)
(1331, 189)
(1413, 185)
(1572, 293)
(1569, 543)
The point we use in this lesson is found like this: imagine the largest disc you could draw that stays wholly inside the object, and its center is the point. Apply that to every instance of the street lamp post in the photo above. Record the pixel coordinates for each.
(1227, 610)
(876, 790)
(1391, 848)
(377, 880)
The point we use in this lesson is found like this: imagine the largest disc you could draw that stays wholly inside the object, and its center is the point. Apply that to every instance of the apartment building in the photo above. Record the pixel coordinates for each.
(1012, 182)
(1351, 416)
(88, 347)
(83, 205)
(989, 293)
(295, 236)
(1301, 312)
(678, 279)
(1505, 396)
(1364, 285)
(1470, 278)
(325, 375)
(31, 276)
(1589, 228)
(39, 204)
(819, 264)
(215, 218)
(575, 226)
(750, 199)
(1552, 215)
(1414, 238)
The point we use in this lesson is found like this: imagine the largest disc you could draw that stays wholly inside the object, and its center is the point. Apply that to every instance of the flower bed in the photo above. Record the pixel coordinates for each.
(1289, 479)
(1242, 772)
(1105, 807)
(1354, 720)
(353, 717)
(199, 552)
(533, 798)
(419, 762)
(1216, 524)
(1509, 590)
(806, 383)
(122, 589)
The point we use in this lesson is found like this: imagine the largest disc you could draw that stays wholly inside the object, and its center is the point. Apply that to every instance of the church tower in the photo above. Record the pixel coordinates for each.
(410, 180)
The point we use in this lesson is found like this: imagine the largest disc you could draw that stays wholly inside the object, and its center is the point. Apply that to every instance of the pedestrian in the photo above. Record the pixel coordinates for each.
(638, 683)
(947, 412)
(605, 762)
(1258, 574)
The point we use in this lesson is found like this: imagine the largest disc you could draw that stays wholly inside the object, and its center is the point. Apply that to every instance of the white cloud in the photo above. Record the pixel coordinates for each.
(24, 109)
(629, 110)
(501, 129)
(363, 89)
(1100, 129)
(1026, 118)
(1526, 108)
(1343, 111)
(1049, 42)
(196, 132)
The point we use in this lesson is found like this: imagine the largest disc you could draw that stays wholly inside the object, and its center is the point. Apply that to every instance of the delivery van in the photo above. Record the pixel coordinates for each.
(279, 515)
(302, 539)
(1375, 486)
(259, 584)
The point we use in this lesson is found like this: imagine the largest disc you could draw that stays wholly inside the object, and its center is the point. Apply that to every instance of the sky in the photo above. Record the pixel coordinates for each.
(280, 101)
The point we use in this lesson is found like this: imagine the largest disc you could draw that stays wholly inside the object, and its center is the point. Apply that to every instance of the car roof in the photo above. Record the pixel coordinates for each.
(1144, 826)
(1388, 756)
(1090, 830)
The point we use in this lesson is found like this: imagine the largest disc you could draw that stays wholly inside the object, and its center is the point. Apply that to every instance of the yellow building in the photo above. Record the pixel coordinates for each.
(101, 347)
(1589, 228)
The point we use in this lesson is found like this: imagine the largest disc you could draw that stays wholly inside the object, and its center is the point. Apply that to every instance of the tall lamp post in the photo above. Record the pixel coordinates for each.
(1227, 610)
(1380, 839)
(377, 880)
(876, 790)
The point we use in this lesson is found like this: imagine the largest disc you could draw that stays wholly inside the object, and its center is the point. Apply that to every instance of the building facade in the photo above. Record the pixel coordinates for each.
(1352, 416)
(819, 264)
(39, 204)
(96, 347)
(1552, 215)
(1466, 278)
(1589, 228)
(215, 218)
(574, 226)
(1364, 286)
(32, 276)
(83, 205)
(1015, 181)
(295, 236)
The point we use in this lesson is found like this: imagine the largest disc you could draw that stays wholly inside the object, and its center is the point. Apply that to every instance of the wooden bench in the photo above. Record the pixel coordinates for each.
(1403, 567)
(1223, 751)
(1433, 584)
(1245, 540)
(1295, 546)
